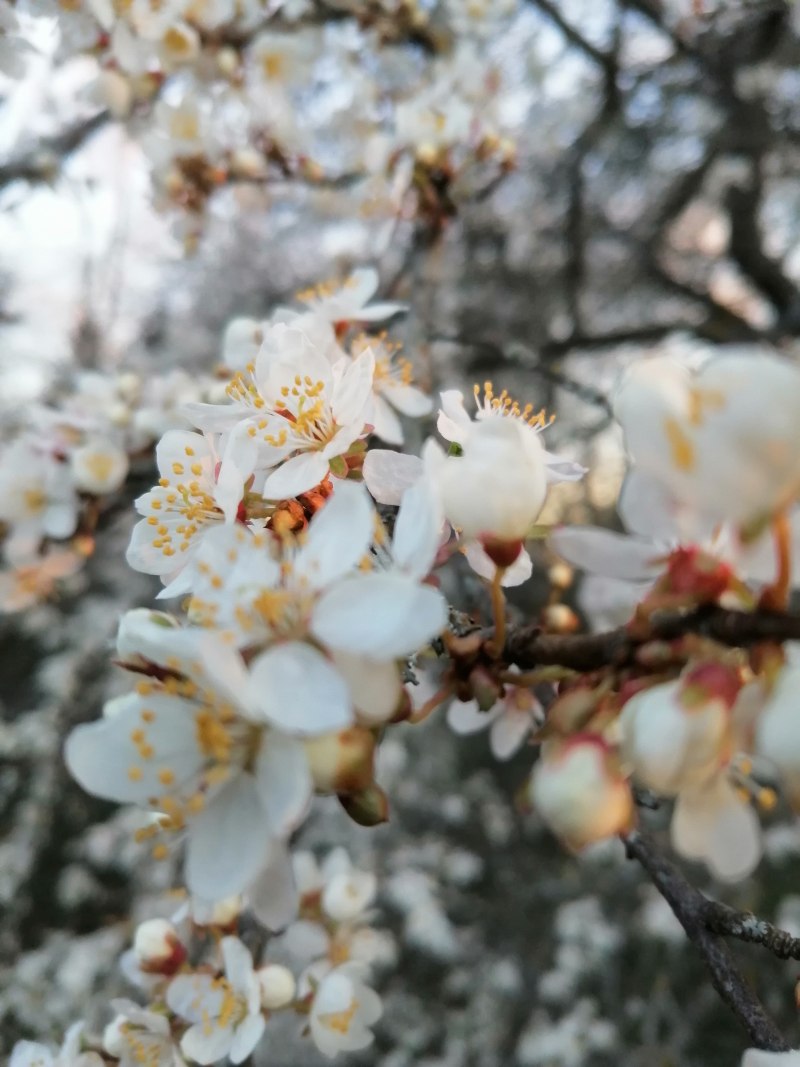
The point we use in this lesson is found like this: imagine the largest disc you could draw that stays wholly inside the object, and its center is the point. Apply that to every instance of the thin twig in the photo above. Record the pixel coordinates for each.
(690, 908)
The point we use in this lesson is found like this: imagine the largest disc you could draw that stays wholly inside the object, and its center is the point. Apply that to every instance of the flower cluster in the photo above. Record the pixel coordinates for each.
(218, 1005)
(221, 93)
(61, 469)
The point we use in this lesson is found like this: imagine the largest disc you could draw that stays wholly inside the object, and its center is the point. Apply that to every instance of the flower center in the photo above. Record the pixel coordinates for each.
(504, 405)
(340, 1021)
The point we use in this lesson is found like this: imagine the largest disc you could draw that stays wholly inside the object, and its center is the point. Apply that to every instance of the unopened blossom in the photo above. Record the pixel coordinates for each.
(393, 389)
(189, 745)
(157, 946)
(37, 498)
(333, 631)
(225, 1012)
(510, 720)
(580, 792)
(137, 1036)
(34, 1054)
(343, 1011)
(723, 440)
(677, 739)
(278, 986)
(98, 467)
(291, 413)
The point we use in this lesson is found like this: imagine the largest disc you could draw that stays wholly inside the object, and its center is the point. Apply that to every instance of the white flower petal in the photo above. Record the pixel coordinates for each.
(508, 733)
(375, 686)
(382, 616)
(229, 841)
(284, 781)
(389, 474)
(273, 897)
(606, 552)
(298, 690)
(465, 717)
(408, 399)
(353, 389)
(246, 1036)
(418, 529)
(385, 424)
(296, 476)
(206, 1047)
(338, 536)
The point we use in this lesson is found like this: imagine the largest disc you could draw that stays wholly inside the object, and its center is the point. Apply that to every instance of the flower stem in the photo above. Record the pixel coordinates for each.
(431, 704)
(776, 596)
(497, 643)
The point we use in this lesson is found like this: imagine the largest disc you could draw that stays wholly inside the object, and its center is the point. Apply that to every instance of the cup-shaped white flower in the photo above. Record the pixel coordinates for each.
(34, 1054)
(348, 301)
(580, 792)
(98, 467)
(342, 1012)
(495, 490)
(189, 747)
(675, 736)
(137, 1036)
(713, 823)
(37, 498)
(225, 1012)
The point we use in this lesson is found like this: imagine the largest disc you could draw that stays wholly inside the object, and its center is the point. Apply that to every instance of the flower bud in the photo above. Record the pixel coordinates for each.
(579, 791)
(157, 947)
(369, 807)
(341, 762)
(278, 986)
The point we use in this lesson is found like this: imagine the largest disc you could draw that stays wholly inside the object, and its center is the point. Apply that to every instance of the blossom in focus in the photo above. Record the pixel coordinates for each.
(291, 414)
(187, 502)
(333, 631)
(342, 1012)
(189, 745)
(510, 720)
(225, 1012)
(722, 441)
(580, 792)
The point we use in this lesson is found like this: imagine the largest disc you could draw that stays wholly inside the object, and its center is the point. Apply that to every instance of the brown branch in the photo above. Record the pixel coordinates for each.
(528, 647)
(744, 926)
(691, 908)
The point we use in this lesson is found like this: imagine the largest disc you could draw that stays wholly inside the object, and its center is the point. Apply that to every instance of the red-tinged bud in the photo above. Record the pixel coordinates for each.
(369, 807)
(157, 947)
(710, 681)
(501, 553)
(690, 571)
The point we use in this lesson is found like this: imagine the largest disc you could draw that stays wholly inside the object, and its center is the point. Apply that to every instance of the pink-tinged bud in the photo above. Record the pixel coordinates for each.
(157, 947)
(369, 807)
(342, 762)
(579, 791)
(692, 572)
(710, 681)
